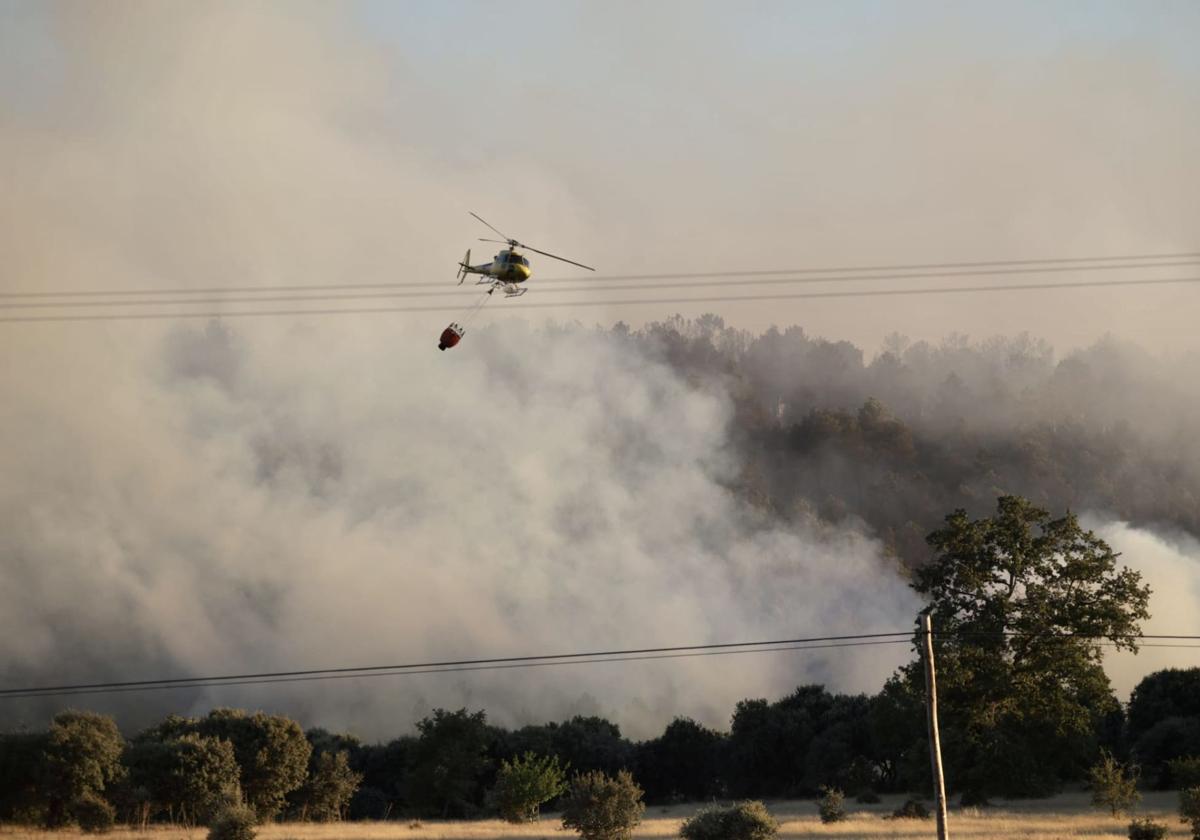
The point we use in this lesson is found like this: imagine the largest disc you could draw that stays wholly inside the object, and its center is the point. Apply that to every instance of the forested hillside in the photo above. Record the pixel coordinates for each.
(820, 428)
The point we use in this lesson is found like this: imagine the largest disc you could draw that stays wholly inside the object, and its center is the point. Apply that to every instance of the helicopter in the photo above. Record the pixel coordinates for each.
(507, 271)
(509, 268)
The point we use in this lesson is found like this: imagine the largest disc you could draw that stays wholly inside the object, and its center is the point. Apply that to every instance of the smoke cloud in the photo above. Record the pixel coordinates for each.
(1171, 566)
(317, 497)
(200, 500)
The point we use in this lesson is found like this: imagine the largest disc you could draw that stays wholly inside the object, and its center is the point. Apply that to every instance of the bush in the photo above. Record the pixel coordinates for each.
(1114, 786)
(235, 822)
(1146, 829)
(831, 805)
(524, 784)
(741, 821)
(912, 809)
(94, 813)
(601, 807)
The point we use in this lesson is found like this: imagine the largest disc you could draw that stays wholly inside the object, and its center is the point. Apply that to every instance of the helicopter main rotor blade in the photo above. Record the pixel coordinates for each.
(501, 241)
(489, 224)
(553, 256)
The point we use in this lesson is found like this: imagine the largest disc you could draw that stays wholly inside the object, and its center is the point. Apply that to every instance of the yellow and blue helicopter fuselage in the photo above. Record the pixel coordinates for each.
(507, 269)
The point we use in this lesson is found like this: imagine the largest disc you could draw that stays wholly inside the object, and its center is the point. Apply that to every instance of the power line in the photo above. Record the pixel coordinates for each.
(454, 670)
(284, 676)
(1052, 261)
(856, 293)
(456, 291)
(540, 661)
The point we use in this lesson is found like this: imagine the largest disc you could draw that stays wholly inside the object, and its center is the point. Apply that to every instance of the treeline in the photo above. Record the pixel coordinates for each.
(185, 770)
(1022, 603)
(896, 440)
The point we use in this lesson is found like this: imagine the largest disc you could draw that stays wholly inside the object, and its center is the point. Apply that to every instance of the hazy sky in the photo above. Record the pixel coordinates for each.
(632, 136)
(190, 498)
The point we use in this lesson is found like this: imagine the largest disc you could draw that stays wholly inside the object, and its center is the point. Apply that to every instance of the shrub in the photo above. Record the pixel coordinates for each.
(912, 809)
(602, 807)
(524, 784)
(1189, 809)
(1114, 786)
(831, 805)
(235, 822)
(748, 820)
(94, 813)
(1146, 829)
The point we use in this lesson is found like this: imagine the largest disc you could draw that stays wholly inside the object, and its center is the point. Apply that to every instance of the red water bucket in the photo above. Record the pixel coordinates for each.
(450, 336)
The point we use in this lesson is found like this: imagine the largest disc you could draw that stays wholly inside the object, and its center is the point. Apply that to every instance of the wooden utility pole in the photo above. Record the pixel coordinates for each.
(935, 741)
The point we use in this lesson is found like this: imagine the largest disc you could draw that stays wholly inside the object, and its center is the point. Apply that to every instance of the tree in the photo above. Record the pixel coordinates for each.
(1021, 603)
(190, 777)
(449, 761)
(602, 807)
(81, 756)
(386, 770)
(271, 750)
(22, 798)
(798, 743)
(1173, 692)
(682, 763)
(590, 743)
(1114, 786)
(1171, 738)
(326, 793)
(524, 784)
(94, 814)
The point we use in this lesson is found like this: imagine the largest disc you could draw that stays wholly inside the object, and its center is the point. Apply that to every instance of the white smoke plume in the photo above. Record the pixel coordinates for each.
(1170, 564)
(292, 494)
(310, 497)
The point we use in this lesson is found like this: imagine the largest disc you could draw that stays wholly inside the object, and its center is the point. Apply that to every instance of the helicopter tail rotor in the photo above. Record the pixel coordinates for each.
(463, 266)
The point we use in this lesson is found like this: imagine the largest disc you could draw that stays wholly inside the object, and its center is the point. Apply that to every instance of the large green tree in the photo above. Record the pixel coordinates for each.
(1021, 604)
(449, 763)
(82, 756)
(271, 750)
(684, 762)
(189, 778)
(326, 793)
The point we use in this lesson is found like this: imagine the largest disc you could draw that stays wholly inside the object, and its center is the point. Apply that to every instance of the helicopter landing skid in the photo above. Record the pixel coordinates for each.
(510, 289)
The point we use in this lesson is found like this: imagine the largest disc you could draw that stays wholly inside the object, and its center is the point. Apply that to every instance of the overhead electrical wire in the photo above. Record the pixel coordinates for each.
(535, 661)
(856, 293)
(451, 665)
(456, 670)
(473, 290)
(965, 267)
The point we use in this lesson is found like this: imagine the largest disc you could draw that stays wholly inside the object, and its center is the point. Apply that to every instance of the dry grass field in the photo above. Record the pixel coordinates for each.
(1066, 816)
